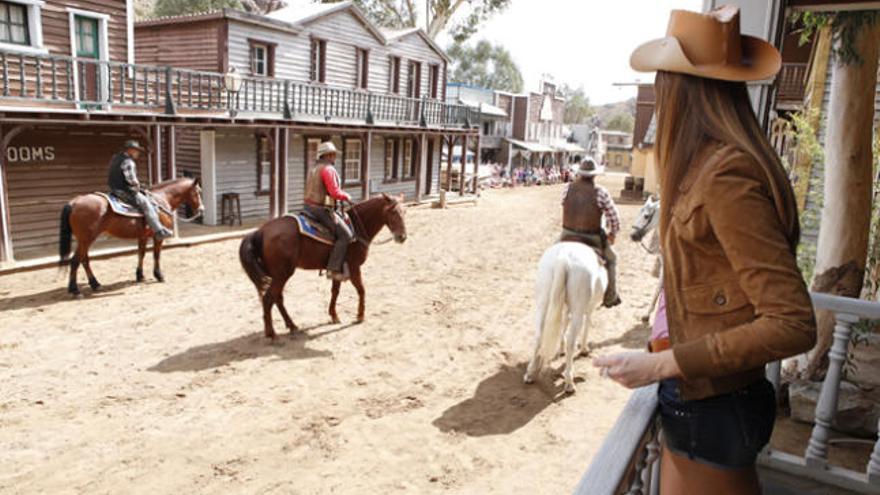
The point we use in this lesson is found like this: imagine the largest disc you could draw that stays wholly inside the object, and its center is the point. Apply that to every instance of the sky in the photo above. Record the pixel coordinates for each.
(579, 42)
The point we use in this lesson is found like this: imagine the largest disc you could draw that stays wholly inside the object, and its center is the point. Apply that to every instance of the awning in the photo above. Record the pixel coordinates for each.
(484, 108)
(569, 148)
(531, 146)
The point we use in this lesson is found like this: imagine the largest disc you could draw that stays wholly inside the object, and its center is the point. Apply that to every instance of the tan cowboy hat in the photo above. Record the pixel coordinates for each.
(326, 148)
(589, 168)
(708, 45)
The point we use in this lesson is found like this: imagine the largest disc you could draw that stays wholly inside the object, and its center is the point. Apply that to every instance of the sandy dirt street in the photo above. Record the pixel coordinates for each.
(171, 388)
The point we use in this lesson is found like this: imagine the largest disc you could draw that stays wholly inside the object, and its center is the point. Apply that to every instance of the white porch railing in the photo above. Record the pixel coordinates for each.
(627, 461)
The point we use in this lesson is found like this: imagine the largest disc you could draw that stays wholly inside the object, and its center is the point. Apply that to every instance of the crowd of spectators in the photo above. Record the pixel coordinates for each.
(526, 176)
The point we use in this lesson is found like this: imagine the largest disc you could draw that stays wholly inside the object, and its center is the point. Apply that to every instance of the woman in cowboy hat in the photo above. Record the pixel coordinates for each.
(735, 299)
(322, 193)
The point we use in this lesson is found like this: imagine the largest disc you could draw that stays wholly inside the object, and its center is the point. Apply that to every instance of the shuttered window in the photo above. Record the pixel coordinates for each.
(351, 168)
(408, 161)
(14, 24)
(414, 80)
(390, 159)
(394, 75)
(363, 69)
(434, 80)
(318, 69)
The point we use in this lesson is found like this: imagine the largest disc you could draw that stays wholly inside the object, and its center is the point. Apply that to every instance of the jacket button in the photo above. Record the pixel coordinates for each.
(720, 300)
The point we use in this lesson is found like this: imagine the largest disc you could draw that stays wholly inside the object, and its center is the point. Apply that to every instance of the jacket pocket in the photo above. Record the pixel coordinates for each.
(718, 298)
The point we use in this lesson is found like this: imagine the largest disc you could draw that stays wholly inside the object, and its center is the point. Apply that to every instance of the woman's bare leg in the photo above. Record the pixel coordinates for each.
(680, 475)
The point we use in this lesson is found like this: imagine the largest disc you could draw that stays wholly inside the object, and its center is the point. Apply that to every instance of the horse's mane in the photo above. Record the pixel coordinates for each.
(171, 182)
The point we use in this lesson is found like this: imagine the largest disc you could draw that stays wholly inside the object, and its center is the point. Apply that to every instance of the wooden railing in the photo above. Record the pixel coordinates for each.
(93, 85)
(627, 463)
(791, 83)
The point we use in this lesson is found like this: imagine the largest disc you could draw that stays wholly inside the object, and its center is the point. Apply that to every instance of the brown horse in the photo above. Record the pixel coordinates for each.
(87, 216)
(273, 252)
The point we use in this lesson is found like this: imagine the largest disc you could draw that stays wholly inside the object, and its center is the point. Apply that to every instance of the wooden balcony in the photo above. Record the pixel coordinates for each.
(627, 462)
(791, 85)
(58, 83)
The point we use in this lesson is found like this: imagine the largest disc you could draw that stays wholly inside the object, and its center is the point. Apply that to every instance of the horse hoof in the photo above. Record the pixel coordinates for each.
(527, 379)
(335, 321)
(359, 321)
(159, 276)
(569, 388)
(139, 276)
(95, 285)
(645, 319)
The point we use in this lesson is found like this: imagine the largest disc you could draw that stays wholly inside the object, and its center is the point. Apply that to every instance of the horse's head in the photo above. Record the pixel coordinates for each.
(393, 213)
(193, 197)
(646, 220)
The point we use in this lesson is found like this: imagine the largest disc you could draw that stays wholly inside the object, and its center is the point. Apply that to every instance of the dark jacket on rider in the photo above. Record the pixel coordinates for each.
(123, 173)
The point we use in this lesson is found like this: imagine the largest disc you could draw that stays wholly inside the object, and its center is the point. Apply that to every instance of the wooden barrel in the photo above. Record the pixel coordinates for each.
(628, 183)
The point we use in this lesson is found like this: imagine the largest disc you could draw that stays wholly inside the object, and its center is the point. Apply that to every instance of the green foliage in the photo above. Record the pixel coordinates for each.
(871, 287)
(621, 122)
(806, 139)
(401, 14)
(845, 27)
(164, 8)
(487, 65)
(577, 106)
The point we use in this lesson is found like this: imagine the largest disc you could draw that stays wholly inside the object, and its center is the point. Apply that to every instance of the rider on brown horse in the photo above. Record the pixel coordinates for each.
(124, 185)
(583, 204)
(322, 193)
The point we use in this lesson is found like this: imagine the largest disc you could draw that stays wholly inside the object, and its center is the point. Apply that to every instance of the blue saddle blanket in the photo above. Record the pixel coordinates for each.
(127, 210)
(316, 230)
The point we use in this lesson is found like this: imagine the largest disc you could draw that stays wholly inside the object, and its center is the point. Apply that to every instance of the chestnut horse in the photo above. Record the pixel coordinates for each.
(273, 252)
(87, 216)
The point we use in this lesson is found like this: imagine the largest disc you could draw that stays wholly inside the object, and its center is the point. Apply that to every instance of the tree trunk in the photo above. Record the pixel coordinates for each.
(846, 215)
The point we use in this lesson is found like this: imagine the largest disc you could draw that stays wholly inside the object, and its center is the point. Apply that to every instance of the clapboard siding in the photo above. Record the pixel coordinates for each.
(414, 48)
(39, 189)
(56, 25)
(296, 172)
(193, 45)
(813, 204)
(377, 171)
(343, 34)
(236, 170)
(189, 156)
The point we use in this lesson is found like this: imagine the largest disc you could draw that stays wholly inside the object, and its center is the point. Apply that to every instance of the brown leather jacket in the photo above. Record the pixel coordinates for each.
(735, 297)
(580, 210)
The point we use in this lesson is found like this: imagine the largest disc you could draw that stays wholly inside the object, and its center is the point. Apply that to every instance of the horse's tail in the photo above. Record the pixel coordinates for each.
(550, 316)
(65, 236)
(250, 255)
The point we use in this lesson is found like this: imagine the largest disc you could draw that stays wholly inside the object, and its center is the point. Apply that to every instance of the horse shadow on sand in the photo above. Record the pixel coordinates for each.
(60, 295)
(635, 338)
(253, 346)
(501, 404)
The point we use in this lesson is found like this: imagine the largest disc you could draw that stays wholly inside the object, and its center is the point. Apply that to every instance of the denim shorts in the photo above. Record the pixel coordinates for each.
(726, 431)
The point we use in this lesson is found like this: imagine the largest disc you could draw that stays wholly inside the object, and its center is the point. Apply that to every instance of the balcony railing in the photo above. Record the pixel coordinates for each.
(791, 84)
(94, 85)
(627, 462)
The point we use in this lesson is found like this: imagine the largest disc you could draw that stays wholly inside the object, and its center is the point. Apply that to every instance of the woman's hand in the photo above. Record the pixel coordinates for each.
(637, 369)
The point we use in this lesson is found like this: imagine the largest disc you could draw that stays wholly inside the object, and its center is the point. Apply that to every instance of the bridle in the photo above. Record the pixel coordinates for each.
(359, 225)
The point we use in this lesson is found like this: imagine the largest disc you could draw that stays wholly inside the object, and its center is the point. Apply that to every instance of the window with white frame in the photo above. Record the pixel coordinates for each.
(21, 26)
(390, 159)
(259, 59)
(351, 168)
(318, 65)
(408, 162)
(363, 69)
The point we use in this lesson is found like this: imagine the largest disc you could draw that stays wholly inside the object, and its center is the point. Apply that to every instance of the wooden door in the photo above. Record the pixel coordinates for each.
(87, 47)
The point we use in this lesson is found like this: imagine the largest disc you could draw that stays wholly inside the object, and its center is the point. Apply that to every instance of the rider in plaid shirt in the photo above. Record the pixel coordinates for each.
(584, 203)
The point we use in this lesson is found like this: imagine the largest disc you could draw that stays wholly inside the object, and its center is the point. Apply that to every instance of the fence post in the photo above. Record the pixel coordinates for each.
(826, 407)
(170, 108)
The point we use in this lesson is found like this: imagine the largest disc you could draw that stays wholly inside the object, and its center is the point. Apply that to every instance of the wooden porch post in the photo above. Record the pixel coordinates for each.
(283, 156)
(422, 165)
(156, 162)
(461, 176)
(5, 230)
(172, 166)
(477, 164)
(365, 173)
(446, 143)
(273, 174)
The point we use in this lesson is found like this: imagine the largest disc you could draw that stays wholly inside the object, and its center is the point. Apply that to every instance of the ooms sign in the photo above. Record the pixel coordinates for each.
(30, 154)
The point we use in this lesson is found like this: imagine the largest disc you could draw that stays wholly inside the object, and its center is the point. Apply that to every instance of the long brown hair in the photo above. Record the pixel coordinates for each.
(693, 112)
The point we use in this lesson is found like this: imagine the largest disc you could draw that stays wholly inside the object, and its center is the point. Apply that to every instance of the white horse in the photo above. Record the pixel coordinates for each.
(647, 221)
(571, 284)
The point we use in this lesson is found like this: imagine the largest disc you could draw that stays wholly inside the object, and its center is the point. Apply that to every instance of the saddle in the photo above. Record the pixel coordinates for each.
(125, 209)
(316, 230)
(599, 250)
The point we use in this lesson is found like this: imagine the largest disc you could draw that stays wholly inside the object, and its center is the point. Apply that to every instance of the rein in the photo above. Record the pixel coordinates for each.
(359, 225)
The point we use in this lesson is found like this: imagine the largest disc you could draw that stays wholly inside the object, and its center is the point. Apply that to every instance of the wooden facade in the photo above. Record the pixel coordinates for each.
(65, 108)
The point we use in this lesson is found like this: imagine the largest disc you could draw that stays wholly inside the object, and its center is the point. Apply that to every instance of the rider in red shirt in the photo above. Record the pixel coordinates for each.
(323, 192)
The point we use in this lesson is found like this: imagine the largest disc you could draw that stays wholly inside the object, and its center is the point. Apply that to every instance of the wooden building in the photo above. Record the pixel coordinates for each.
(76, 82)
(331, 47)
